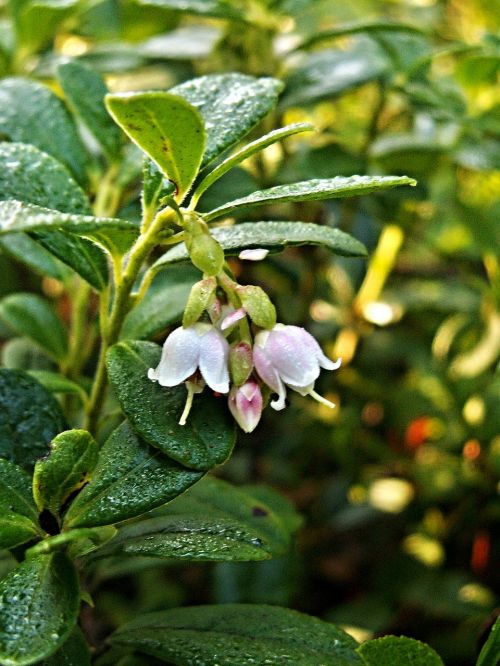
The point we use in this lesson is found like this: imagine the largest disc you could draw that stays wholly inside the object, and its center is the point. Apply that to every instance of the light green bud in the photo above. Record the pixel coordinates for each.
(201, 296)
(240, 362)
(258, 306)
(204, 251)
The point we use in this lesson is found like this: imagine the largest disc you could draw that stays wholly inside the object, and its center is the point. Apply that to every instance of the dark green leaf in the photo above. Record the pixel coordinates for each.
(15, 491)
(307, 190)
(154, 185)
(85, 90)
(208, 437)
(39, 603)
(162, 305)
(213, 521)
(490, 653)
(74, 652)
(31, 315)
(230, 104)
(215, 8)
(273, 236)
(130, 478)
(27, 251)
(278, 503)
(169, 130)
(16, 530)
(56, 383)
(398, 651)
(31, 113)
(30, 417)
(73, 456)
(77, 542)
(238, 635)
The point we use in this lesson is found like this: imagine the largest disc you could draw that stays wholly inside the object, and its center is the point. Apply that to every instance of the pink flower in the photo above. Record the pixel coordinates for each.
(290, 356)
(245, 403)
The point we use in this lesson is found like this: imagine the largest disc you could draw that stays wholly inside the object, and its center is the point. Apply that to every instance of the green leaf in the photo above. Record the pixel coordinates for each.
(15, 491)
(31, 113)
(30, 417)
(77, 542)
(208, 437)
(16, 530)
(154, 185)
(27, 251)
(74, 652)
(490, 653)
(85, 90)
(37, 21)
(214, 8)
(213, 521)
(39, 603)
(130, 478)
(169, 130)
(356, 27)
(73, 456)
(162, 305)
(248, 150)
(230, 104)
(32, 316)
(238, 635)
(56, 383)
(398, 651)
(307, 190)
(273, 236)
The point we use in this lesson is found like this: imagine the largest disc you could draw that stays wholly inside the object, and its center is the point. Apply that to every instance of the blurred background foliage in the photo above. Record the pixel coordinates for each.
(399, 486)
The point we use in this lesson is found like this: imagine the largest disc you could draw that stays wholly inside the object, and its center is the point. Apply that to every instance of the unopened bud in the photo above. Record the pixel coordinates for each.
(240, 362)
(258, 306)
(204, 251)
(245, 403)
(200, 297)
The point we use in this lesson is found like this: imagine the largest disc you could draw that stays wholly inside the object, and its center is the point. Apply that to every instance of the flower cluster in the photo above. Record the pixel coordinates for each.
(284, 356)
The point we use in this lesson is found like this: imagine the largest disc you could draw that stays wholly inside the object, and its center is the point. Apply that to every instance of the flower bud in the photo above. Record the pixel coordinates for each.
(240, 362)
(204, 251)
(200, 297)
(245, 404)
(258, 306)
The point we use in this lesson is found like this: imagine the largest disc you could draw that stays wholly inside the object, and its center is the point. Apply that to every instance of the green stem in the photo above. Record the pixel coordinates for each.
(75, 359)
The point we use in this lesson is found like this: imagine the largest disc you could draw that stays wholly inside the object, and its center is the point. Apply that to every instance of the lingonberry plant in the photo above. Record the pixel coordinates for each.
(121, 464)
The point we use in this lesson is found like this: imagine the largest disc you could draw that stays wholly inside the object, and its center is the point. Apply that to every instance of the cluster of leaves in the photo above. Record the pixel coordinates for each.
(419, 395)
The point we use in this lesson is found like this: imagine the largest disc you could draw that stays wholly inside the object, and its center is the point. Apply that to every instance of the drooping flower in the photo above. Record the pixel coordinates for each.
(290, 356)
(245, 404)
(187, 349)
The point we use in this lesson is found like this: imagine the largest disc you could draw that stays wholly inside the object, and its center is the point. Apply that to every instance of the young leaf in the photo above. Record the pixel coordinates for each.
(248, 150)
(16, 530)
(31, 113)
(30, 417)
(398, 651)
(213, 521)
(85, 90)
(73, 456)
(130, 478)
(39, 603)
(15, 491)
(230, 104)
(162, 305)
(311, 190)
(32, 316)
(74, 652)
(490, 653)
(168, 129)
(207, 438)
(238, 635)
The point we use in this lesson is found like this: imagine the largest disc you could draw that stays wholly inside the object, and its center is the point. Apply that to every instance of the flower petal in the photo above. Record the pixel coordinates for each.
(269, 375)
(214, 353)
(294, 360)
(179, 358)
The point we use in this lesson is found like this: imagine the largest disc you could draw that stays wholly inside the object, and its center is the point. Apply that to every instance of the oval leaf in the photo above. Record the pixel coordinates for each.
(230, 105)
(73, 456)
(238, 635)
(16, 530)
(39, 603)
(208, 437)
(130, 478)
(28, 252)
(311, 190)
(30, 315)
(398, 651)
(167, 128)
(15, 491)
(30, 417)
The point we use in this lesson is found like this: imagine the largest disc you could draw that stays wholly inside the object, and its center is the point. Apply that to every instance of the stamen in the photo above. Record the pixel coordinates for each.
(320, 399)
(188, 405)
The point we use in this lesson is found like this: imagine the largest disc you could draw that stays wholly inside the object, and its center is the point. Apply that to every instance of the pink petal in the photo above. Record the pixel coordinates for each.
(232, 318)
(295, 361)
(214, 353)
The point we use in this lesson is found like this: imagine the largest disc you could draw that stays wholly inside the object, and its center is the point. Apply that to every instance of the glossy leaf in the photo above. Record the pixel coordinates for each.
(214, 8)
(31, 113)
(15, 491)
(490, 653)
(130, 478)
(273, 236)
(311, 190)
(31, 315)
(238, 635)
(230, 104)
(73, 456)
(30, 417)
(39, 603)
(74, 652)
(213, 521)
(248, 150)
(85, 90)
(169, 130)
(398, 651)
(154, 411)
(16, 530)
(162, 305)
(28, 252)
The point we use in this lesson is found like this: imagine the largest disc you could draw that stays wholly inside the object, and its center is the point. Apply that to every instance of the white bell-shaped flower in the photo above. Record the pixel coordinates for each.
(290, 356)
